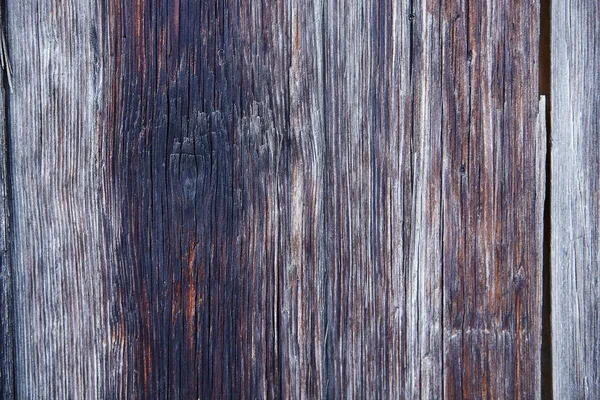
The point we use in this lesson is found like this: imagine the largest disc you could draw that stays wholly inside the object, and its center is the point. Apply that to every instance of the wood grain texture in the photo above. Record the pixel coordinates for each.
(262, 199)
(575, 196)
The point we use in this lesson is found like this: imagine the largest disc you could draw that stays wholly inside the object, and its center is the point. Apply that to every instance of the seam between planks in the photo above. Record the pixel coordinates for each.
(545, 90)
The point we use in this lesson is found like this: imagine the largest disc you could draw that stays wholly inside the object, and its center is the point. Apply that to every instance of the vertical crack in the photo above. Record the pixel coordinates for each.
(545, 90)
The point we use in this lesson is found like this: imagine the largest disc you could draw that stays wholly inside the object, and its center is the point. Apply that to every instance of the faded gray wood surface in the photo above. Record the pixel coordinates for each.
(59, 262)
(302, 199)
(575, 279)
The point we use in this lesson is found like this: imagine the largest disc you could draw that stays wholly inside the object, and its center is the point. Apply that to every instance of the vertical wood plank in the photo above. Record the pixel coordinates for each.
(575, 216)
(425, 279)
(493, 191)
(59, 253)
(373, 314)
(304, 330)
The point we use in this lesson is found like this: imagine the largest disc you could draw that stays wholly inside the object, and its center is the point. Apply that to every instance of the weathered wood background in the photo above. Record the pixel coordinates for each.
(297, 199)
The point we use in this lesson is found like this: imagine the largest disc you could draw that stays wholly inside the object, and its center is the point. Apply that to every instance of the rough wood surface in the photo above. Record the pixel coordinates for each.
(299, 199)
(575, 199)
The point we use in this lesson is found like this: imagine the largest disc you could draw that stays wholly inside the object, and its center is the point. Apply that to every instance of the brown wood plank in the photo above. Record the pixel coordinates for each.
(493, 190)
(575, 257)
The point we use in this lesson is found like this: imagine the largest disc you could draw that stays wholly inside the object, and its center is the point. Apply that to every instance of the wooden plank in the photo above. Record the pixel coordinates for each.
(380, 228)
(304, 285)
(493, 190)
(575, 192)
(59, 236)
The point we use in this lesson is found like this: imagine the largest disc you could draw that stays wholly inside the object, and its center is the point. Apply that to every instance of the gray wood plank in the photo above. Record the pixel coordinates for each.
(367, 107)
(575, 258)
(59, 252)
(304, 285)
